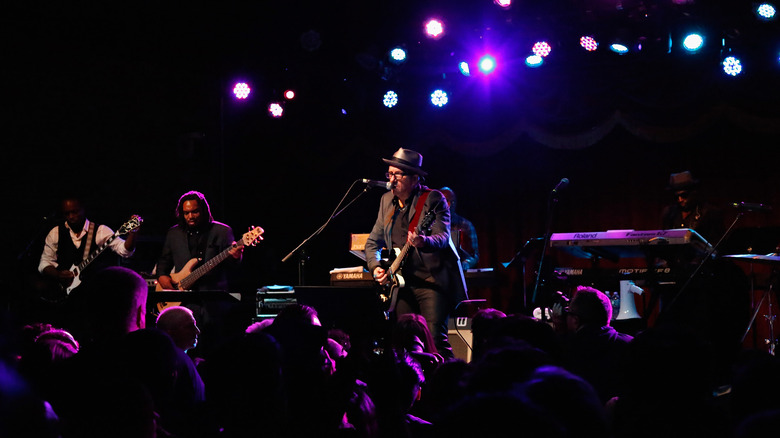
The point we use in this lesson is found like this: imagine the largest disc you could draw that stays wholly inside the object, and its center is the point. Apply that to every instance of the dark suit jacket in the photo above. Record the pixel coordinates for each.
(439, 254)
(176, 254)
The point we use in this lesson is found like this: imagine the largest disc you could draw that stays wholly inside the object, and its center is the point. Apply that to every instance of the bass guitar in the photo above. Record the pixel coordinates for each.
(389, 292)
(132, 224)
(186, 277)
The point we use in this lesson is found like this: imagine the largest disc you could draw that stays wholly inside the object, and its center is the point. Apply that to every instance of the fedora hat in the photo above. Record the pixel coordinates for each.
(682, 181)
(407, 160)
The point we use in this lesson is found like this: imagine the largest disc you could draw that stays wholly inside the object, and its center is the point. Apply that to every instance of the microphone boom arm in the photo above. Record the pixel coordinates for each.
(336, 211)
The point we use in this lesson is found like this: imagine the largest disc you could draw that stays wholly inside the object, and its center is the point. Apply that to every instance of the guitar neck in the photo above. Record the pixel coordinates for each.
(402, 254)
(189, 280)
(96, 253)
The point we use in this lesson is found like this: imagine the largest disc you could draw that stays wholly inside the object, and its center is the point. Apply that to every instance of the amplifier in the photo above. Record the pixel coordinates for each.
(272, 299)
(460, 337)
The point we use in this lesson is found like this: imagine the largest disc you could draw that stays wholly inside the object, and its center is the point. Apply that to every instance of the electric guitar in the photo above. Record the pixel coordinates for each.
(389, 293)
(184, 279)
(132, 224)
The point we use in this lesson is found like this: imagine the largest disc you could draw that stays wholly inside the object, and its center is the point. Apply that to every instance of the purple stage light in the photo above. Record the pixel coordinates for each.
(589, 43)
(542, 48)
(241, 90)
(276, 110)
(434, 28)
(487, 64)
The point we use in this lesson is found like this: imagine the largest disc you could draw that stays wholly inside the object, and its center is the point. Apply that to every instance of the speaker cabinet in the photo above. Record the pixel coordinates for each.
(461, 339)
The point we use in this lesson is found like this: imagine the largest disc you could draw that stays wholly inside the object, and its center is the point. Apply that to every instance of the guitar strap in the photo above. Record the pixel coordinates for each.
(418, 208)
(89, 238)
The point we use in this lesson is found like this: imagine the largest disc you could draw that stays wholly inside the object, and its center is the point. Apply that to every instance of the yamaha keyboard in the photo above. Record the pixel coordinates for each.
(584, 275)
(616, 244)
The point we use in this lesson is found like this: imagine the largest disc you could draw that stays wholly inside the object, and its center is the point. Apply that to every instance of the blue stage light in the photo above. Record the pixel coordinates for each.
(439, 98)
(390, 99)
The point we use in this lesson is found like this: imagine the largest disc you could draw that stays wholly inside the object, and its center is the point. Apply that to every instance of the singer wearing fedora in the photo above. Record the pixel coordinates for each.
(432, 274)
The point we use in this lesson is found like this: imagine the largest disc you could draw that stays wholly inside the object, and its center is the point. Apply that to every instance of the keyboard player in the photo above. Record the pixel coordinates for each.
(711, 303)
(714, 301)
(690, 210)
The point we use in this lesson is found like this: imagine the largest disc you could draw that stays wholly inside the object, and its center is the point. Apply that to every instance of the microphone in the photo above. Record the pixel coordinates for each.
(562, 184)
(751, 206)
(387, 185)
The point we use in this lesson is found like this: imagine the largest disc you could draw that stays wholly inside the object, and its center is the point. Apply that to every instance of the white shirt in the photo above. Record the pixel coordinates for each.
(49, 255)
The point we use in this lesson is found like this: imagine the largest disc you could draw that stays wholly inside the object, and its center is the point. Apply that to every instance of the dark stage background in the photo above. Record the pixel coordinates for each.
(129, 107)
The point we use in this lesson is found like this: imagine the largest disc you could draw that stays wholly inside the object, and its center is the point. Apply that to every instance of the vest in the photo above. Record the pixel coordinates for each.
(68, 255)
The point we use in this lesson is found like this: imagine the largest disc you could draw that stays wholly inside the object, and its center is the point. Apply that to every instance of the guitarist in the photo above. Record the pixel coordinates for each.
(71, 242)
(432, 273)
(197, 236)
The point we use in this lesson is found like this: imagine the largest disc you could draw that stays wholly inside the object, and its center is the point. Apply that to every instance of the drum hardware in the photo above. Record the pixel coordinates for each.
(770, 316)
(771, 341)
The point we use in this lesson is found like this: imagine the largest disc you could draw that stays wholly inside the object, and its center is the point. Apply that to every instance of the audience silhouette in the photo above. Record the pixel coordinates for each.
(245, 389)
(104, 373)
(671, 394)
(593, 349)
(410, 336)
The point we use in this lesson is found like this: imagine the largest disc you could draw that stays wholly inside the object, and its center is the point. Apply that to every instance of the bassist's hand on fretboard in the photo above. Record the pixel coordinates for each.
(166, 282)
(236, 251)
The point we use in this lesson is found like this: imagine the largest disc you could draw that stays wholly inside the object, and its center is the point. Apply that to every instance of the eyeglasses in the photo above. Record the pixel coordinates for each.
(684, 195)
(397, 175)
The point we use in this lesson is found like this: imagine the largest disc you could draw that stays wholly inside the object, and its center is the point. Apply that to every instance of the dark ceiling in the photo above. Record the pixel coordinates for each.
(130, 102)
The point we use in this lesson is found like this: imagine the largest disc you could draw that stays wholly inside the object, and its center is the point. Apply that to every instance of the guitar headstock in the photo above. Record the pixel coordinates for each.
(427, 221)
(132, 224)
(251, 237)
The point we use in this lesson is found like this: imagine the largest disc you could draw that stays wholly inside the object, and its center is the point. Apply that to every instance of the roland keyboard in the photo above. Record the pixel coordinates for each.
(616, 244)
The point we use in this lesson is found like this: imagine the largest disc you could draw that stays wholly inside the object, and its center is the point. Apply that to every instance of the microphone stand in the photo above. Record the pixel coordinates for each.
(24, 260)
(706, 257)
(44, 227)
(337, 211)
(521, 257)
(551, 202)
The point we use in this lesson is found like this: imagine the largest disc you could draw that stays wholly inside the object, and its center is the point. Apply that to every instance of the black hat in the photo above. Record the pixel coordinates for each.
(682, 181)
(408, 160)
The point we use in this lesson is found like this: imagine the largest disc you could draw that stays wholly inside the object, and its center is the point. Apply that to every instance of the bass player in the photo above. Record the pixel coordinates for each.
(196, 236)
(195, 240)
